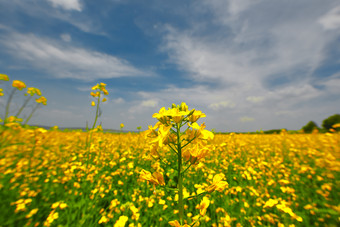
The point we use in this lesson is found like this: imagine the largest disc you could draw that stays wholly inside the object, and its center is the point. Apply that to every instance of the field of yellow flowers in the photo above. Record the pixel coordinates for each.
(176, 173)
(55, 178)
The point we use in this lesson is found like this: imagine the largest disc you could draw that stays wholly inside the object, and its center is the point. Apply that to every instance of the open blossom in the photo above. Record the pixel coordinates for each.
(101, 87)
(4, 77)
(155, 178)
(121, 221)
(32, 91)
(201, 133)
(217, 184)
(197, 114)
(97, 91)
(42, 100)
(196, 152)
(203, 205)
(270, 203)
(177, 224)
(18, 84)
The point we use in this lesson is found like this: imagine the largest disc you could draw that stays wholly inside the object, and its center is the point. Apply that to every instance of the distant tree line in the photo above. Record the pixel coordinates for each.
(327, 125)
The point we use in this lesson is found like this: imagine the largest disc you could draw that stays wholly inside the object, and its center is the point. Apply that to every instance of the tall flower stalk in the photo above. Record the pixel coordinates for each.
(31, 91)
(39, 101)
(98, 91)
(17, 85)
(188, 146)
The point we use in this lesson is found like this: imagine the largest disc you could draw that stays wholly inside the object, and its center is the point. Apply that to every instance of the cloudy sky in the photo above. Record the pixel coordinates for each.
(248, 64)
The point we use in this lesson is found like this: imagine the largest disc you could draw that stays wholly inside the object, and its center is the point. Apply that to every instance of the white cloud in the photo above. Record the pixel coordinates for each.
(65, 61)
(246, 119)
(221, 105)
(255, 99)
(67, 4)
(66, 37)
(331, 20)
(119, 100)
(149, 103)
(257, 46)
(285, 113)
(332, 84)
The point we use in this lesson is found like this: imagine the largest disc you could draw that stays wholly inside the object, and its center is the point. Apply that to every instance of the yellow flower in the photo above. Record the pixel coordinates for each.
(95, 87)
(163, 134)
(1, 92)
(42, 100)
(217, 184)
(203, 205)
(177, 115)
(121, 221)
(18, 84)
(177, 224)
(4, 77)
(161, 116)
(13, 119)
(62, 205)
(201, 132)
(270, 203)
(104, 100)
(32, 90)
(32, 212)
(103, 219)
(55, 205)
(51, 217)
(93, 103)
(122, 125)
(99, 87)
(105, 91)
(336, 125)
(155, 178)
(197, 114)
(94, 94)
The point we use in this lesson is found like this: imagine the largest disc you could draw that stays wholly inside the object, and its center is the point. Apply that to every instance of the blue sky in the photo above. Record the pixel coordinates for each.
(247, 64)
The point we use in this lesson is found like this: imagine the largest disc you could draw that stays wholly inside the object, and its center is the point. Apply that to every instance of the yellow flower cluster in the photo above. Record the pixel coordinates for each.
(195, 135)
(42, 100)
(18, 84)
(4, 77)
(101, 87)
(32, 91)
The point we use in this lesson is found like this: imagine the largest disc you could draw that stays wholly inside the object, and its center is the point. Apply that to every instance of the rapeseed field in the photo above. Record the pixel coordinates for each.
(176, 173)
(48, 178)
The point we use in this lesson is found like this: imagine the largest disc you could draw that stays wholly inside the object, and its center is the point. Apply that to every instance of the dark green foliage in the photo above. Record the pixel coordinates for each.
(330, 121)
(273, 131)
(309, 127)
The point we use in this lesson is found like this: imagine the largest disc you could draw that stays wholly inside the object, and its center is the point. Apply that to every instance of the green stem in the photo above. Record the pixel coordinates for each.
(174, 150)
(180, 178)
(29, 117)
(23, 106)
(88, 147)
(187, 168)
(188, 142)
(159, 157)
(97, 111)
(194, 196)
(8, 103)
